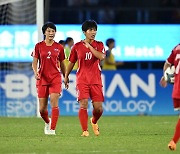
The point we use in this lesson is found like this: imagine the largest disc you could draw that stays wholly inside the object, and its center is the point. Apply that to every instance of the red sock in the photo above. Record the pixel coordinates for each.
(44, 115)
(177, 132)
(54, 117)
(83, 118)
(96, 116)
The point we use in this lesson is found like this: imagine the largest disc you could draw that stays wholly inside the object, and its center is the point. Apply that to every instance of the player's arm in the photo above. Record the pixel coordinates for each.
(163, 82)
(68, 71)
(34, 67)
(63, 68)
(72, 61)
(96, 53)
(166, 65)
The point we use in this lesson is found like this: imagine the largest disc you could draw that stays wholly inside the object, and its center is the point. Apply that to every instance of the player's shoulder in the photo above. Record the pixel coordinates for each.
(177, 47)
(78, 43)
(57, 45)
(40, 43)
(98, 42)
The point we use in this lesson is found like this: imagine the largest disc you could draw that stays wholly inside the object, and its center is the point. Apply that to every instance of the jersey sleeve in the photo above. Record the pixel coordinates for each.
(35, 52)
(171, 57)
(73, 54)
(101, 48)
(61, 54)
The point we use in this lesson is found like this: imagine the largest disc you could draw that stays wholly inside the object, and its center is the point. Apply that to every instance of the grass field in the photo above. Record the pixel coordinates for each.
(120, 134)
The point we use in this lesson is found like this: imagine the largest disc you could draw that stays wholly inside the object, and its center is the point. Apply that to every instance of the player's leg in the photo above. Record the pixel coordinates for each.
(54, 98)
(83, 116)
(43, 102)
(44, 114)
(97, 99)
(83, 95)
(97, 111)
(54, 91)
(43, 106)
(173, 142)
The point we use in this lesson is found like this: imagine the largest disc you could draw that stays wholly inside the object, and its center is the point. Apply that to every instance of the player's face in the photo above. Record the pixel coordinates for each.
(50, 33)
(91, 33)
(71, 43)
(112, 45)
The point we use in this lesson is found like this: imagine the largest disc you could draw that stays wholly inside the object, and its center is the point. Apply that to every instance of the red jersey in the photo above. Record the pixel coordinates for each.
(174, 59)
(89, 70)
(49, 58)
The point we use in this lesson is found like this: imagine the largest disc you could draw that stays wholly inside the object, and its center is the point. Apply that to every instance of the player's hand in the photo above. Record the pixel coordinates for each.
(37, 77)
(86, 44)
(66, 82)
(163, 82)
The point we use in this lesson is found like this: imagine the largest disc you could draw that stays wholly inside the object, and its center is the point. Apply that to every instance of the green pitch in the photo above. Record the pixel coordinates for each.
(120, 134)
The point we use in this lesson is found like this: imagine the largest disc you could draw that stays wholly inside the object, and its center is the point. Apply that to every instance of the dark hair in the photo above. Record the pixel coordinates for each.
(109, 41)
(88, 24)
(48, 25)
(61, 42)
(68, 39)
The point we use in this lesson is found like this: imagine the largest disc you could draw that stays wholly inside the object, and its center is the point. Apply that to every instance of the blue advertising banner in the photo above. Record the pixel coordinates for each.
(133, 42)
(127, 92)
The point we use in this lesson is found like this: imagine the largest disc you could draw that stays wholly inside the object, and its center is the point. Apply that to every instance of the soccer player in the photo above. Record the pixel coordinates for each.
(109, 63)
(62, 42)
(174, 59)
(88, 53)
(67, 49)
(48, 60)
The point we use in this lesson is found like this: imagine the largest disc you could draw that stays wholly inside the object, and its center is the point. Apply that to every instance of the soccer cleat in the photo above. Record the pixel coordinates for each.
(47, 127)
(95, 127)
(51, 132)
(172, 145)
(85, 133)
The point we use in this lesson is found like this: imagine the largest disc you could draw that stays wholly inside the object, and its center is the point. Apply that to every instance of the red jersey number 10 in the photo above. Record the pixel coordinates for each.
(88, 56)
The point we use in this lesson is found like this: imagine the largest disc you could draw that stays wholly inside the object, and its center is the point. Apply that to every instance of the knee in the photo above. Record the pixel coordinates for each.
(42, 110)
(98, 110)
(84, 104)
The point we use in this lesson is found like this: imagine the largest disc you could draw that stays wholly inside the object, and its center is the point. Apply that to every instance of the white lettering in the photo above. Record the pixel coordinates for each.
(16, 85)
(137, 82)
(117, 81)
(132, 51)
(14, 107)
(131, 106)
(17, 53)
(115, 106)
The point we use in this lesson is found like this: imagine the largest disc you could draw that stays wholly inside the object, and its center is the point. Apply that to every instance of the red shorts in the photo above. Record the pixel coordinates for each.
(44, 90)
(94, 92)
(176, 103)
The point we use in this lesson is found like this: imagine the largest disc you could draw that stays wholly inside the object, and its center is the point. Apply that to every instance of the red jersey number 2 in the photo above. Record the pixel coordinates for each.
(49, 54)
(88, 56)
